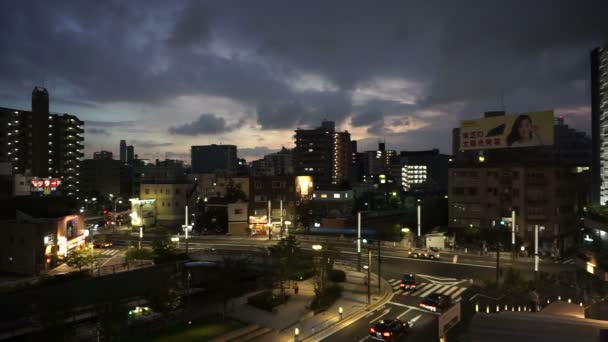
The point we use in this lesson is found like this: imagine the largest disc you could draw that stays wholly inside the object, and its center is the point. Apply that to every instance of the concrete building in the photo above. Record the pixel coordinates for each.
(323, 154)
(422, 171)
(214, 158)
(37, 233)
(123, 151)
(130, 154)
(544, 195)
(171, 200)
(100, 176)
(266, 196)
(331, 209)
(161, 171)
(599, 116)
(377, 162)
(42, 143)
(238, 223)
(211, 185)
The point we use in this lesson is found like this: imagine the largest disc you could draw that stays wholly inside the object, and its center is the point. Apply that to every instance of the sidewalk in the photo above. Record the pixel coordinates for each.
(295, 313)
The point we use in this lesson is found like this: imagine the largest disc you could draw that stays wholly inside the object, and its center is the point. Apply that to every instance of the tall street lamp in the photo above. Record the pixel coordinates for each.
(318, 248)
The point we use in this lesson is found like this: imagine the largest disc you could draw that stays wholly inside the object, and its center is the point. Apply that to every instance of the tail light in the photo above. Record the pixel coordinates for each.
(413, 286)
(386, 333)
(372, 330)
(402, 285)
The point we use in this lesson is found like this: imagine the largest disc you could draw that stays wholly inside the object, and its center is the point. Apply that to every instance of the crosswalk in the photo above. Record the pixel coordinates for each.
(109, 252)
(425, 289)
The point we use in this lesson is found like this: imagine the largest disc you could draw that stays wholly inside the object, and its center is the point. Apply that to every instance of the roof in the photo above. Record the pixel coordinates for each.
(537, 327)
(37, 207)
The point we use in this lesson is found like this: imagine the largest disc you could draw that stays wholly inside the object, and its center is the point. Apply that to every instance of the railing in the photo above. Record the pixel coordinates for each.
(127, 266)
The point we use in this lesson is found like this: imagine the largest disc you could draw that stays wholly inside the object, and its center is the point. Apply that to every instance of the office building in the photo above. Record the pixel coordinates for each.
(275, 164)
(323, 154)
(377, 162)
(214, 158)
(100, 176)
(42, 144)
(123, 151)
(599, 120)
(161, 172)
(267, 194)
(550, 196)
(422, 171)
(130, 154)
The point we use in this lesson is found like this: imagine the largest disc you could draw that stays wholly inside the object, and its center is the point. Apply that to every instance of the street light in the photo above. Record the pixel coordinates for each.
(317, 247)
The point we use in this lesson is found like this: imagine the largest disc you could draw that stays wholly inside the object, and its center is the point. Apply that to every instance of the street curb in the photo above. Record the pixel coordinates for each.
(354, 315)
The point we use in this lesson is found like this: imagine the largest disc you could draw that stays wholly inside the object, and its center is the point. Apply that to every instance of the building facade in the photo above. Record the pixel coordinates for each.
(549, 196)
(323, 154)
(123, 151)
(267, 196)
(103, 155)
(214, 158)
(100, 177)
(599, 130)
(423, 171)
(42, 143)
(171, 200)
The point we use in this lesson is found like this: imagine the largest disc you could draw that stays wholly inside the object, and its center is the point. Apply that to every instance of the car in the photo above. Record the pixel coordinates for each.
(436, 302)
(423, 254)
(408, 282)
(388, 329)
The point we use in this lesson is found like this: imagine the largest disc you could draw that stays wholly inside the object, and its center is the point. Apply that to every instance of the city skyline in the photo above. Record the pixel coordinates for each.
(166, 77)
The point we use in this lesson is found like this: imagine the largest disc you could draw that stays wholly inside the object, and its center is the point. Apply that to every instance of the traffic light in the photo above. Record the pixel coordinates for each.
(105, 211)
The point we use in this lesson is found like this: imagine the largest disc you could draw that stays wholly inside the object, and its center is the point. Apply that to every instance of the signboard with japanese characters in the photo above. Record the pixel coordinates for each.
(45, 186)
(518, 130)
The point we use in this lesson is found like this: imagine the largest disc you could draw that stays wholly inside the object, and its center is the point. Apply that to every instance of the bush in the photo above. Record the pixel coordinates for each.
(324, 300)
(337, 276)
(138, 254)
(266, 300)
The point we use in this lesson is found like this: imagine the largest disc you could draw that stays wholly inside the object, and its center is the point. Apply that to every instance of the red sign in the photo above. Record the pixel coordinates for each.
(45, 185)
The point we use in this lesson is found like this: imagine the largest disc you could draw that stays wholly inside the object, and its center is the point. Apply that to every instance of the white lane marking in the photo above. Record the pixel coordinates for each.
(114, 251)
(396, 287)
(406, 293)
(363, 339)
(391, 280)
(413, 320)
(459, 292)
(452, 289)
(427, 292)
(394, 282)
(423, 260)
(382, 314)
(445, 287)
(404, 312)
(422, 286)
(431, 277)
(415, 308)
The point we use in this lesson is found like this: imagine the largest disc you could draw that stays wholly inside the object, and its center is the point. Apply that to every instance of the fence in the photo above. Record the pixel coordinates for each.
(117, 268)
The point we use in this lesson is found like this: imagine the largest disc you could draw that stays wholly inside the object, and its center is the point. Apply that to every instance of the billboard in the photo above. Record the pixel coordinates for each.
(517, 130)
(46, 186)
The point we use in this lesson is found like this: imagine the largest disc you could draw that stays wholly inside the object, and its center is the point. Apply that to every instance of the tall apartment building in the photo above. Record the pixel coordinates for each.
(214, 158)
(41, 143)
(599, 124)
(123, 151)
(323, 154)
(130, 154)
(423, 171)
(101, 176)
(379, 161)
(103, 155)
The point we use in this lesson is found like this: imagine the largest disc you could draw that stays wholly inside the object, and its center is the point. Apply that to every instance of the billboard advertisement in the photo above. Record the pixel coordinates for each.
(46, 186)
(507, 131)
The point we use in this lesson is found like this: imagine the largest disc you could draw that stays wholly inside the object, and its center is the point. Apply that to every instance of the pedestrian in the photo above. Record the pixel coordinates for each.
(296, 289)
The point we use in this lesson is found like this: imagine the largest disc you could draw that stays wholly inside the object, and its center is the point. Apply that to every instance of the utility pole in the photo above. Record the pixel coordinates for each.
(536, 255)
(513, 234)
(359, 241)
(186, 229)
(379, 262)
(369, 279)
(497, 262)
(269, 221)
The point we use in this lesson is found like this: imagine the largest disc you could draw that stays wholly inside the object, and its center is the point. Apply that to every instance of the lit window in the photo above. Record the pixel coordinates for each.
(323, 195)
(336, 195)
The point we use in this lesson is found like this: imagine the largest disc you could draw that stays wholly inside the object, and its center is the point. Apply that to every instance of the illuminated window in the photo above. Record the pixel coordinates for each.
(323, 195)
(337, 196)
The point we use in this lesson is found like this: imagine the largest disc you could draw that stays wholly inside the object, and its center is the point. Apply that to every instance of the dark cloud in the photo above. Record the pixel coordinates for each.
(367, 118)
(98, 131)
(192, 26)
(149, 143)
(257, 151)
(206, 124)
(109, 124)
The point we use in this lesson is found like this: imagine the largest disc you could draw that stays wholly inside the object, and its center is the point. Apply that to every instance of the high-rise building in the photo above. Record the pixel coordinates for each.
(599, 128)
(41, 143)
(100, 176)
(214, 158)
(377, 162)
(123, 151)
(323, 154)
(103, 155)
(423, 171)
(130, 154)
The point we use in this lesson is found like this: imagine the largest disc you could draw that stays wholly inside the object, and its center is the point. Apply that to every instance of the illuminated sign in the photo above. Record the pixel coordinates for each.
(506, 131)
(46, 186)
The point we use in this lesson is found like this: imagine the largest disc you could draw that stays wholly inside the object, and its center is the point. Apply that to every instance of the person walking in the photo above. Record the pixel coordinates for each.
(296, 289)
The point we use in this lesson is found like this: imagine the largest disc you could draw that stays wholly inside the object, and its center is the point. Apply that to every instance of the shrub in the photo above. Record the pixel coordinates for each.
(302, 274)
(266, 300)
(324, 300)
(337, 276)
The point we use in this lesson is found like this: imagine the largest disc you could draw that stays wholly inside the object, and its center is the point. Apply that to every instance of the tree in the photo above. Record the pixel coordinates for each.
(85, 256)
(285, 256)
(228, 281)
(138, 254)
(167, 297)
(112, 318)
(234, 193)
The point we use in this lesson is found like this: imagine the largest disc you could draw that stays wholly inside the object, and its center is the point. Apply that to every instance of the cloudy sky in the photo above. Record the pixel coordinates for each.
(165, 75)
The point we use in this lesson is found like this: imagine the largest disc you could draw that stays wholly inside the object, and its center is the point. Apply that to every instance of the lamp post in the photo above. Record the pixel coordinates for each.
(359, 241)
(369, 279)
(418, 209)
(141, 235)
(318, 248)
(513, 233)
(536, 255)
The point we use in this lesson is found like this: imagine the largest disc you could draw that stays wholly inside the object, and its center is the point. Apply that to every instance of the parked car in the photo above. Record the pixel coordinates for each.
(389, 330)
(423, 254)
(436, 302)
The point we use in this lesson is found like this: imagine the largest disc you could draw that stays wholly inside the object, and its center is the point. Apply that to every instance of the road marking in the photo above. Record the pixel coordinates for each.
(445, 287)
(383, 313)
(363, 339)
(391, 280)
(427, 292)
(452, 289)
(424, 260)
(415, 308)
(423, 286)
(413, 320)
(394, 282)
(404, 312)
(459, 292)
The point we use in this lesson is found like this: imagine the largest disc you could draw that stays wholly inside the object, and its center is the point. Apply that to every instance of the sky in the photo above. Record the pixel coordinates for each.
(165, 75)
